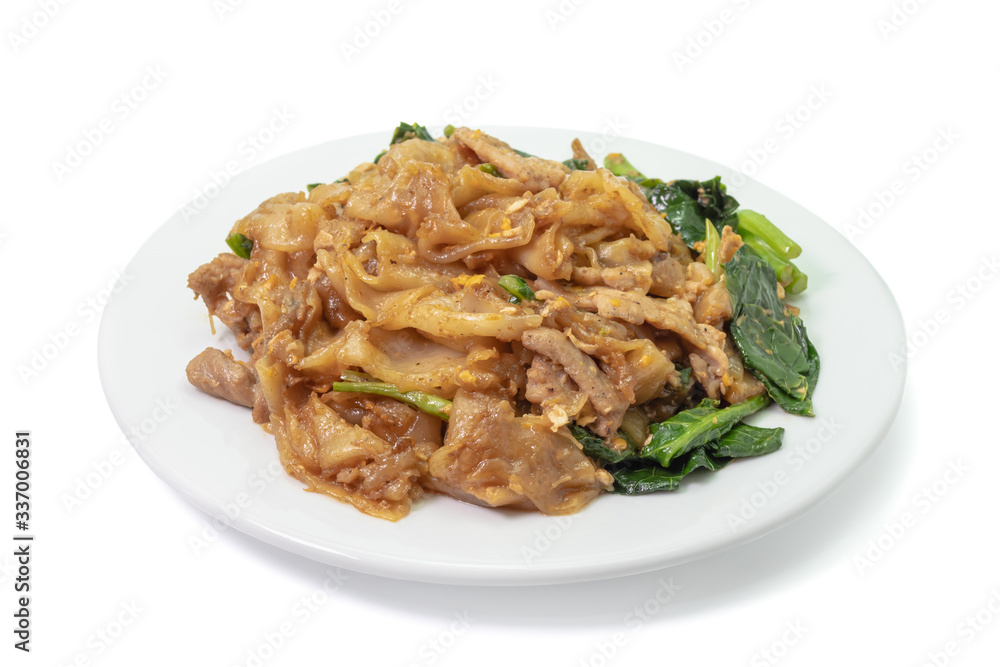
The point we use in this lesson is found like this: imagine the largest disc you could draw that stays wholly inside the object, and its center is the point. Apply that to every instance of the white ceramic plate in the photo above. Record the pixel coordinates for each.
(222, 462)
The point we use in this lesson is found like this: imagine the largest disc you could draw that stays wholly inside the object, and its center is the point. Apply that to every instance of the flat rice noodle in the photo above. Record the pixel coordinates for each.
(418, 150)
(618, 199)
(286, 222)
(331, 456)
(548, 255)
(467, 312)
(471, 183)
(444, 241)
(419, 190)
(403, 358)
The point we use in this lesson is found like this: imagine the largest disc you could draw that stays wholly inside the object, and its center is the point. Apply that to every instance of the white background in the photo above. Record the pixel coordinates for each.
(881, 94)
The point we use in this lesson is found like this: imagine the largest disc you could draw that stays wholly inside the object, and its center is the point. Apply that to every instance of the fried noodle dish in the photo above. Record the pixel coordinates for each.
(460, 317)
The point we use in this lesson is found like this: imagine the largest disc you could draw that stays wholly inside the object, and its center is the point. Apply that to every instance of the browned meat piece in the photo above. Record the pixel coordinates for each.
(214, 282)
(710, 363)
(491, 457)
(488, 369)
(698, 278)
(215, 372)
(628, 354)
(580, 153)
(668, 276)
(714, 306)
(636, 366)
(536, 173)
(729, 244)
(551, 388)
(243, 319)
(677, 249)
(740, 384)
(633, 307)
(261, 413)
(674, 314)
(608, 402)
(335, 311)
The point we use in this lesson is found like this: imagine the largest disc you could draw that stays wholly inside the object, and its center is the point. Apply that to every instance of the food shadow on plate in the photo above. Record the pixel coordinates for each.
(827, 536)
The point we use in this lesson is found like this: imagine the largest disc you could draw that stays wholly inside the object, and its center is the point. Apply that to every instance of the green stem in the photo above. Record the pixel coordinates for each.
(798, 283)
(785, 270)
(764, 229)
(429, 403)
(712, 241)
(619, 166)
(518, 288)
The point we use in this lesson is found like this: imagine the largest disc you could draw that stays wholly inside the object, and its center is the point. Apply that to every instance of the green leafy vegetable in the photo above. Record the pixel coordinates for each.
(577, 164)
(518, 288)
(703, 437)
(746, 440)
(379, 156)
(240, 245)
(449, 130)
(429, 403)
(701, 457)
(407, 131)
(488, 168)
(696, 427)
(631, 444)
(312, 186)
(788, 402)
(687, 204)
(596, 447)
(772, 341)
(633, 481)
